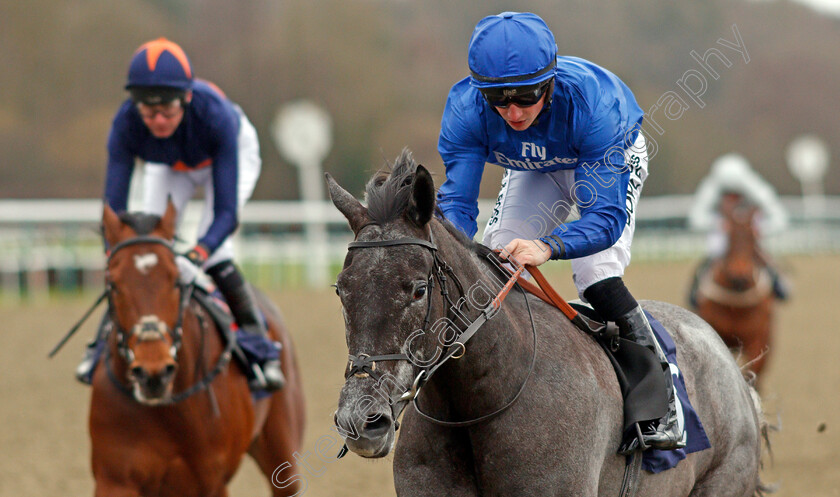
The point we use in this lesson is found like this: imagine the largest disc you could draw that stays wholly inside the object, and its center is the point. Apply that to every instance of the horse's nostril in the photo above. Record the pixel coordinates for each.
(156, 381)
(169, 370)
(138, 372)
(378, 427)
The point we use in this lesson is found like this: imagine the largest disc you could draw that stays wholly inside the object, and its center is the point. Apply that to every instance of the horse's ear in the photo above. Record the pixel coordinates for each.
(167, 221)
(111, 225)
(347, 204)
(422, 204)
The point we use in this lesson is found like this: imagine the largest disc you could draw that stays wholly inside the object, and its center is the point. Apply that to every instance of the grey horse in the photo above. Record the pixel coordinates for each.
(544, 399)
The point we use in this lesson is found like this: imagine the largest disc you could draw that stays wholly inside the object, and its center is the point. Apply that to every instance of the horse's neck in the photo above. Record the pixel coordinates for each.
(199, 338)
(502, 341)
(743, 247)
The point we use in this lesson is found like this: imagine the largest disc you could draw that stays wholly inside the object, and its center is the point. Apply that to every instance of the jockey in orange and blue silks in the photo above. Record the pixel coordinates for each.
(203, 133)
(568, 134)
(189, 135)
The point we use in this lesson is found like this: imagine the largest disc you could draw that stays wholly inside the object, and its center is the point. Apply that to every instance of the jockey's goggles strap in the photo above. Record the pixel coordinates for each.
(514, 79)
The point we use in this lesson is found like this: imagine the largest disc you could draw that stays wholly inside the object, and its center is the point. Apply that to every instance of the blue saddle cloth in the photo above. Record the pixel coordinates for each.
(655, 460)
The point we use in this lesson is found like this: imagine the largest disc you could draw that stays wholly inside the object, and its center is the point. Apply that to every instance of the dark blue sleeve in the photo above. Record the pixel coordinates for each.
(600, 185)
(463, 153)
(120, 163)
(225, 181)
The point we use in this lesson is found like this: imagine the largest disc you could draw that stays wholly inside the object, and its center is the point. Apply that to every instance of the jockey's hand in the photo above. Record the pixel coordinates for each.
(188, 272)
(531, 252)
(197, 255)
(189, 264)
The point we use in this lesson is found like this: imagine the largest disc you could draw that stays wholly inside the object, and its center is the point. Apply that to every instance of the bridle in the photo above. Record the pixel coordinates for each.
(364, 365)
(153, 328)
(150, 328)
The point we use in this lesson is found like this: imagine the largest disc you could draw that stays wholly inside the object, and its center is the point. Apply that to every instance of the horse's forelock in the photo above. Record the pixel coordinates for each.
(140, 222)
(388, 193)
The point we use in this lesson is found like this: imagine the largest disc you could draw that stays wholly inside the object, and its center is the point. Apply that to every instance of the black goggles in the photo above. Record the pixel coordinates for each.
(156, 95)
(522, 96)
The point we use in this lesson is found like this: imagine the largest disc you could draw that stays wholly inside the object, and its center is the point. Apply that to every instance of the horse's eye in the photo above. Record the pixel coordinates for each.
(419, 292)
(336, 290)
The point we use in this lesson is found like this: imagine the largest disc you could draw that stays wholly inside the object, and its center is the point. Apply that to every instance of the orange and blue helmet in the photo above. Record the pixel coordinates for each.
(511, 49)
(159, 67)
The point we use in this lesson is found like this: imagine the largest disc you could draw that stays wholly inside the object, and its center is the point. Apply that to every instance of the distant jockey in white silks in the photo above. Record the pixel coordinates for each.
(731, 178)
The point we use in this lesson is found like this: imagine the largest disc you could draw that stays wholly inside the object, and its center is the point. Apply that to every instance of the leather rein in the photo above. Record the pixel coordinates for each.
(364, 365)
(175, 332)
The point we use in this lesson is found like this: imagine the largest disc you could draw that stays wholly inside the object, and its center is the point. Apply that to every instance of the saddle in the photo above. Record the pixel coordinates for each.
(249, 349)
(630, 362)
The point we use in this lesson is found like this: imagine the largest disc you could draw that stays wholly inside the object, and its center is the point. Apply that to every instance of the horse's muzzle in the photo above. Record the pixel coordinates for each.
(152, 387)
(741, 284)
(368, 433)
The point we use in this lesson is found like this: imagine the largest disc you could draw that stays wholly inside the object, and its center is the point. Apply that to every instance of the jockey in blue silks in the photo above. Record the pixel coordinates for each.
(188, 134)
(568, 134)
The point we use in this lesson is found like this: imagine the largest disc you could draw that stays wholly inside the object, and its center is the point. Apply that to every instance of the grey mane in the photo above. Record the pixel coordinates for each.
(388, 194)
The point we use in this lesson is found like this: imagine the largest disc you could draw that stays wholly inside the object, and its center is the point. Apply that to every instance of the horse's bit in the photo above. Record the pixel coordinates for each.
(364, 365)
(150, 328)
(147, 327)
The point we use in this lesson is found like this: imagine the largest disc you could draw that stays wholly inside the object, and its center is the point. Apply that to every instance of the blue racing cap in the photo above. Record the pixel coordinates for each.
(511, 49)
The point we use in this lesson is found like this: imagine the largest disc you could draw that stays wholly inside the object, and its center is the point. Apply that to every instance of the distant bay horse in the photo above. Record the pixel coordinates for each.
(530, 405)
(169, 414)
(735, 292)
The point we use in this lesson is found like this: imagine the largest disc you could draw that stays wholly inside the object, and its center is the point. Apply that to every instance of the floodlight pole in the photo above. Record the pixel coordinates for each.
(302, 132)
(807, 158)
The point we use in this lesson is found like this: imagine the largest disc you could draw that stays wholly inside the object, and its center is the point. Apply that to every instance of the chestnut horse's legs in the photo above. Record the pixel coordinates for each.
(111, 489)
(274, 449)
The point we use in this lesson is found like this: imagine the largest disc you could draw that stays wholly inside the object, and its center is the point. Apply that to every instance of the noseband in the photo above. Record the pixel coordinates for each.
(152, 327)
(364, 365)
(148, 327)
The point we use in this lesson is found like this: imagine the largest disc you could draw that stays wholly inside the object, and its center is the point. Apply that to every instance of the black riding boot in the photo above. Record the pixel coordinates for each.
(781, 289)
(243, 306)
(664, 433)
(613, 301)
(84, 371)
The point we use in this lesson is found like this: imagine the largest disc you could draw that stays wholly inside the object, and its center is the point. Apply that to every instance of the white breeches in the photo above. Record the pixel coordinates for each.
(521, 212)
(162, 182)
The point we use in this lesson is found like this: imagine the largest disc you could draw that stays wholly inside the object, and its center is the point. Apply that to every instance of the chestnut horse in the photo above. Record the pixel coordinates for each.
(169, 415)
(735, 295)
